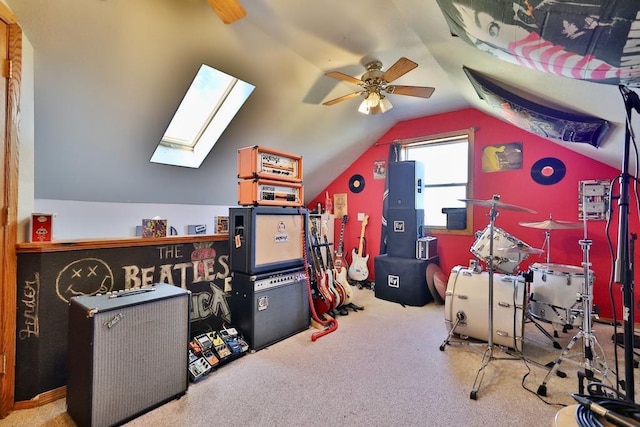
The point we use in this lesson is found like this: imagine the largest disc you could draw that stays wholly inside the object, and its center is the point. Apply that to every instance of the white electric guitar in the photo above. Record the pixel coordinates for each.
(358, 270)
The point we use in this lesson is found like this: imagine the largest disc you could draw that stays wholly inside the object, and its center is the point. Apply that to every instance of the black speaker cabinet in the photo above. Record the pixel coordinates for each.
(127, 353)
(266, 238)
(269, 307)
(406, 187)
(404, 227)
(402, 280)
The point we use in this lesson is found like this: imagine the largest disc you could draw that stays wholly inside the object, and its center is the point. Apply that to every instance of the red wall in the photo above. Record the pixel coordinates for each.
(515, 187)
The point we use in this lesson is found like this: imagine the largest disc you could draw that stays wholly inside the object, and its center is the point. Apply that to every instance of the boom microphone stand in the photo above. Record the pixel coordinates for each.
(623, 268)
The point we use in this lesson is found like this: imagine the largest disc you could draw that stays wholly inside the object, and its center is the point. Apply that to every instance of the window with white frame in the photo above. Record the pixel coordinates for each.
(448, 172)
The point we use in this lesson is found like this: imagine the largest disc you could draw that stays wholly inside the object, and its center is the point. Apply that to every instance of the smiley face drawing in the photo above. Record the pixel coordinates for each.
(87, 276)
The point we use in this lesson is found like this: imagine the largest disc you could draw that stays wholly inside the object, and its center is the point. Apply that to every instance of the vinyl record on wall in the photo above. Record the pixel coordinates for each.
(548, 171)
(356, 183)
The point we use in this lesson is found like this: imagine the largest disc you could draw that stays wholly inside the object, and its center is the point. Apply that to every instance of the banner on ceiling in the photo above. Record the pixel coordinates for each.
(591, 40)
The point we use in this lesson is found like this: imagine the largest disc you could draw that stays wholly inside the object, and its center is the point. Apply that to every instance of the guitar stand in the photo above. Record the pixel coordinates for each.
(362, 284)
(353, 306)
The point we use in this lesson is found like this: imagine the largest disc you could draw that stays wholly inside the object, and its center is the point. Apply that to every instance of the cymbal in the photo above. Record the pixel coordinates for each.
(552, 224)
(497, 204)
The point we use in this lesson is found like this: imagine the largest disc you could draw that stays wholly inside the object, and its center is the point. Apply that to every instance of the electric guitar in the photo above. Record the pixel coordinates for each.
(358, 270)
(340, 266)
(336, 287)
(330, 285)
(323, 299)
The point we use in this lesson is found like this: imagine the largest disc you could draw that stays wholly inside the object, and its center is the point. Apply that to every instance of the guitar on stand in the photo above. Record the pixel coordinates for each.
(323, 298)
(340, 270)
(358, 270)
(334, 285)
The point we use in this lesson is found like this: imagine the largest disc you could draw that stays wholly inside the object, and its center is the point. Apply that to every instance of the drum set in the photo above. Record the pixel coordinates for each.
(555, 294)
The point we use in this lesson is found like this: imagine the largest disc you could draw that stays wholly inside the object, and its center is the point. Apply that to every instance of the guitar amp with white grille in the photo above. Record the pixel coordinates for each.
(265, 192)
(127, 353)
(266, 163)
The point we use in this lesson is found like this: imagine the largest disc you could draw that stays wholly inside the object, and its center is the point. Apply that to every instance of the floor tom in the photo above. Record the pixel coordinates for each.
(555, 293)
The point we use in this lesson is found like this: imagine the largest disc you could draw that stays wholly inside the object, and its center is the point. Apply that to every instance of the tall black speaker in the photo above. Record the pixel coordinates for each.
(127, 353)
(406, 187)
(404, 227)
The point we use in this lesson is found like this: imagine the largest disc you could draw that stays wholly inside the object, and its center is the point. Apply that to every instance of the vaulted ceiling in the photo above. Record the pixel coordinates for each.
(109, 75)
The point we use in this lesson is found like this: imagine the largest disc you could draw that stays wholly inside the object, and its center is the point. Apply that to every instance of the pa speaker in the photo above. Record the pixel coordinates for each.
(404, 227)
(406, 187)
(127, 353)
(402, 280)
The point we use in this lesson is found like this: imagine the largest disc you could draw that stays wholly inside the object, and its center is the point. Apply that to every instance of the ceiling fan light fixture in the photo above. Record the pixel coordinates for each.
(364, 108)
(375, 82)
(373, 99)
(385, 105)
(382, 104)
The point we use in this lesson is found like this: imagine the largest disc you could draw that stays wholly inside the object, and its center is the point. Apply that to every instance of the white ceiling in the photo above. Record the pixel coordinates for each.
(110, 73)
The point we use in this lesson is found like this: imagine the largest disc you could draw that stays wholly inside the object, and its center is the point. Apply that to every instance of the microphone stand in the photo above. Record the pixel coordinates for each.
(623, 268)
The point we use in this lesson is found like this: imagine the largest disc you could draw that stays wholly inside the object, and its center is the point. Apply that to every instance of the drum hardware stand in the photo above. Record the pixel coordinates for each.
(547, 242)
(460, 316)
(488, 354)
(532, 319)
(624, 263)
(585, 333)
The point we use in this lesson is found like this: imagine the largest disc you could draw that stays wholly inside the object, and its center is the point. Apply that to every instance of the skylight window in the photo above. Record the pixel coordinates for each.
(211, 102)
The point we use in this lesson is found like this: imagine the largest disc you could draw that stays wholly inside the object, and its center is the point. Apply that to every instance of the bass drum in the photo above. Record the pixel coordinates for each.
(555, 291)
(467, 298)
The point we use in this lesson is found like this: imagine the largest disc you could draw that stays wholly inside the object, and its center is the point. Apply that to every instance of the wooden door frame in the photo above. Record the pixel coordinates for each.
(8, 285)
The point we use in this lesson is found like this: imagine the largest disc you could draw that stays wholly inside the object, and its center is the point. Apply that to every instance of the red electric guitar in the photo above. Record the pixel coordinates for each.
(323, 299)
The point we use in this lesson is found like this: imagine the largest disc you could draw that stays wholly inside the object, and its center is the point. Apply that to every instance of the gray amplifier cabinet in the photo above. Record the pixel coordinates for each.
(127, 353)
(270, 307)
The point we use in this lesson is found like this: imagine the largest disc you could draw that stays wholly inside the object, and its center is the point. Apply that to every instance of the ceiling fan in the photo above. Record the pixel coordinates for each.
(375, 83)
(228, 10)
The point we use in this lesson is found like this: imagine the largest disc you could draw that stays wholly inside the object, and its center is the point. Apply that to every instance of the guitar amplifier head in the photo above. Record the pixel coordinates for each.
(127, 353)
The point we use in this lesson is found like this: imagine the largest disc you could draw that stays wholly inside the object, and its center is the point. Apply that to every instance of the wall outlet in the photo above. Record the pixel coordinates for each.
(360, 216)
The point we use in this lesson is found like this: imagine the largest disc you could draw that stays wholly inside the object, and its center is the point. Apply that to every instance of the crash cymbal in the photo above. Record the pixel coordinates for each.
(496, 203)
(552, 224)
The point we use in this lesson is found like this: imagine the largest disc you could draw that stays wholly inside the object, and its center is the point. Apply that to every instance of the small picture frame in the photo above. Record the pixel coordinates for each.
(222, 225)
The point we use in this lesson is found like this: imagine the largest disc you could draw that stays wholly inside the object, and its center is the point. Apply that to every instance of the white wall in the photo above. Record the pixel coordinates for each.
(89, 220)
(26, 137)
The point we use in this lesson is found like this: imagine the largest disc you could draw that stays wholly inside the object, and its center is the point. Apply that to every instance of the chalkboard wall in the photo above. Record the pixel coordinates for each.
(47, 280)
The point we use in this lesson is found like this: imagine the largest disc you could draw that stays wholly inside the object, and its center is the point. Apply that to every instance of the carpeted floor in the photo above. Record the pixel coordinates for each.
(382, 367)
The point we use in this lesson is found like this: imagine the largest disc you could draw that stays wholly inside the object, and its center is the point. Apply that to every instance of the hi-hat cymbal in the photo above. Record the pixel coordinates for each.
(552, 224)
(496, 203)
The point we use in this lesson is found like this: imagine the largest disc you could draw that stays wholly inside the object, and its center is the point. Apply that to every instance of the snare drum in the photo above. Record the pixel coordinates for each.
(506, 257)
(555, 292)
(467, 296)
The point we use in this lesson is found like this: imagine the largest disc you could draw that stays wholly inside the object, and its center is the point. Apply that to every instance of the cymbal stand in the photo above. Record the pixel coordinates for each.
(589, 341)
(488, 354)
(547, 241)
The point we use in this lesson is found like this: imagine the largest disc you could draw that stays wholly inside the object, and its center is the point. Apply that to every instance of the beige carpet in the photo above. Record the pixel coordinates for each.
(382, 367)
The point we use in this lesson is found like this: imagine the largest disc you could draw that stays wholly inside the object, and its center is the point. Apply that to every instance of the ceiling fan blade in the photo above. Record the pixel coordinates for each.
(400, 68)
(341, 76)
(228, 10)
(419, 91)
(343, 98)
